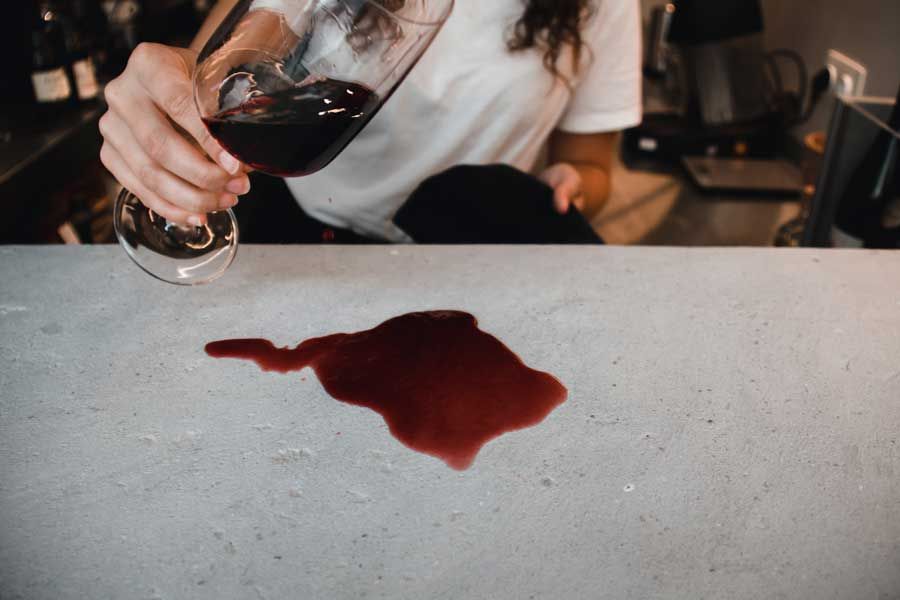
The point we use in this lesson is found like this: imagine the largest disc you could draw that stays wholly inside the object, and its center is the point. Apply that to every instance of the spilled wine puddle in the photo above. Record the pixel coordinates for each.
(443, 386)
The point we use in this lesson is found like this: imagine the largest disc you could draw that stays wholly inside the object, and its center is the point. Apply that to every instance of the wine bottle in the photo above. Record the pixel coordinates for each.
(85, 45)
(50, 75)
(123, 18)
(868, 214)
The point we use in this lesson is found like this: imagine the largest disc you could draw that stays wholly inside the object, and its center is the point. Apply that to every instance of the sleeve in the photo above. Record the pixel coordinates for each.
(607, 96)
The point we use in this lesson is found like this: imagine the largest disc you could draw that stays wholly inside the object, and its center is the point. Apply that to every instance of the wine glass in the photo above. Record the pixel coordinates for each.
(284, 86)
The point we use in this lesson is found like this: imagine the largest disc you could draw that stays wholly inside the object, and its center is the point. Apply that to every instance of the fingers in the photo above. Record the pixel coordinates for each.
(123, 173)
(568, 194)
(155, 134)
(555, 178)
(566, 183)
(145, 146)
(561, 200)
(154, 177)
(170, 87)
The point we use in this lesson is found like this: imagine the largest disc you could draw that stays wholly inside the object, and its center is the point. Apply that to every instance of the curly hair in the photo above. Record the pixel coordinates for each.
(552, 25)
(547, 24)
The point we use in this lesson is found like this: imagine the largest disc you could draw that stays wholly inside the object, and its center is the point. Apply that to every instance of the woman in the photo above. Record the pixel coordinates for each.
(499, 84)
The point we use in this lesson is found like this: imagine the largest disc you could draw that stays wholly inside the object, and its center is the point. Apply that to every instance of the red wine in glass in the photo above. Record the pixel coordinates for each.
(297, 131)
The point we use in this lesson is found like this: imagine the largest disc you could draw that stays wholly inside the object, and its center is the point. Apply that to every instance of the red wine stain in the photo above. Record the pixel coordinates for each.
(443, 386)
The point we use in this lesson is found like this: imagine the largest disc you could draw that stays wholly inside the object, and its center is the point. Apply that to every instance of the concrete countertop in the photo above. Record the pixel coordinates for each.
(732, 429)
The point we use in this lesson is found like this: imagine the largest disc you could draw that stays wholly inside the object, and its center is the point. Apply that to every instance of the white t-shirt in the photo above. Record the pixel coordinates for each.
(472, 101)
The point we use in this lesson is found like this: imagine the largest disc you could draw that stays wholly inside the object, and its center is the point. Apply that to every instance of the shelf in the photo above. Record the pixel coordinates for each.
(30, 146)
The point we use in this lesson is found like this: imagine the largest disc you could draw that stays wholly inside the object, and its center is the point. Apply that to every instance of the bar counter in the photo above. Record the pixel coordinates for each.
(732, 429)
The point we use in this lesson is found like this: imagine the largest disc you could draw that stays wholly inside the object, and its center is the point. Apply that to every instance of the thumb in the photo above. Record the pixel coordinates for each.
(563, 195)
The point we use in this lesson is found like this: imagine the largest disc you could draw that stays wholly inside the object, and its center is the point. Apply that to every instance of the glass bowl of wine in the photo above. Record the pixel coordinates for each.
(284, 86)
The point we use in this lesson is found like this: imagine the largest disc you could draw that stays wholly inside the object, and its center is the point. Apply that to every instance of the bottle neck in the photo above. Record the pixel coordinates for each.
(46, 11)
(46, 35)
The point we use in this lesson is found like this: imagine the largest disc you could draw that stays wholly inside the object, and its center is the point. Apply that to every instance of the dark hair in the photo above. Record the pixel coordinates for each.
(551, 25)
(547, 24)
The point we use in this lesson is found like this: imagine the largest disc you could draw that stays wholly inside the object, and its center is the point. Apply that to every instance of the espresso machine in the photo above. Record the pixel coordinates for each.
(706, 81)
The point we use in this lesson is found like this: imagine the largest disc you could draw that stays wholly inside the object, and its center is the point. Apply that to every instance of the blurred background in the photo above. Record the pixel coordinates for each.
(60, 54)
(765, 122)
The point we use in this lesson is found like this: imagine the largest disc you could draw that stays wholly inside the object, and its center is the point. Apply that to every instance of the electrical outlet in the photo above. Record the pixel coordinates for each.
(848, 77)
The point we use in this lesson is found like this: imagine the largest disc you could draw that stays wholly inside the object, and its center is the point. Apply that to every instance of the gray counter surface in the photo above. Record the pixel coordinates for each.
(732, 429)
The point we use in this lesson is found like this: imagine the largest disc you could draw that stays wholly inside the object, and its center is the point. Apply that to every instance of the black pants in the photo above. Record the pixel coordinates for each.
(269, 214)
(465, 205)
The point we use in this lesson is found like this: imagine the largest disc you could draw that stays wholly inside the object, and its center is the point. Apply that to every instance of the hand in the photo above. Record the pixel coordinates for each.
(567, 187)
(161, 165)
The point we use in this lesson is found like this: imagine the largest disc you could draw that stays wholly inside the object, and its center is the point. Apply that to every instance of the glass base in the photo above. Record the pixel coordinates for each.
(177, 254)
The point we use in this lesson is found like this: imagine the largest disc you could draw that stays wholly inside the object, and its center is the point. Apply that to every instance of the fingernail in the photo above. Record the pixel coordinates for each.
(195, 221)
(239, 186)
(228, 201)
(229, 163)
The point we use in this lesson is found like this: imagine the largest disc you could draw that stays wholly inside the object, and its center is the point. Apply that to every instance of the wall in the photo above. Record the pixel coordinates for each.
(866, 30)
